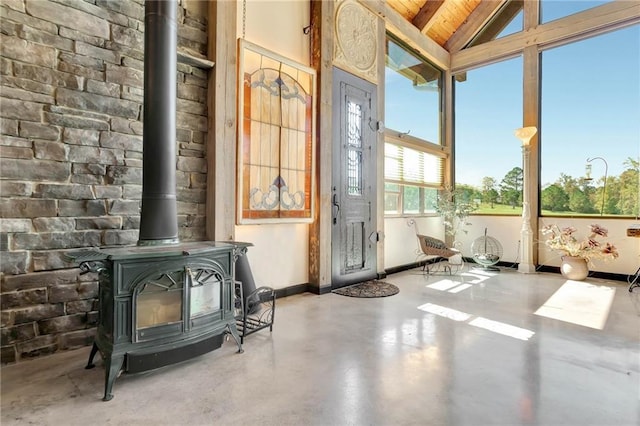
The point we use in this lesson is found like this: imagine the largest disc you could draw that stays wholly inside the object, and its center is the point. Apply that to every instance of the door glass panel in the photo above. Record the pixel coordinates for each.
(355, 245)
(354, 148)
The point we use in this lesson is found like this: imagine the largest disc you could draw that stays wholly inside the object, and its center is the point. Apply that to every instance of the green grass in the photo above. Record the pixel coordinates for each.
(505, 210)
(499, 209)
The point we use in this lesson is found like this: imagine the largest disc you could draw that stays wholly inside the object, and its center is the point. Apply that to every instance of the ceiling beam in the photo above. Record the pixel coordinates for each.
(407, 33)
(424, 17)
(476, 21)
(598, 20)
(502, 19)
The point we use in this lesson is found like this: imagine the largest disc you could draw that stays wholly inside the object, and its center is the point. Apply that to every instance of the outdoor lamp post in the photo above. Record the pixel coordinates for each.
(526, 266)
(604, 185)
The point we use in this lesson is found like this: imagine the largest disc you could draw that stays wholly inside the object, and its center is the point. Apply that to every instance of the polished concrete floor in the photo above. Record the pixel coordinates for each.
(463, 350)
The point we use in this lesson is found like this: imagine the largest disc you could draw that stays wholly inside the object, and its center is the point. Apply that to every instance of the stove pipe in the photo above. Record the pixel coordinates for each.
(158, 219)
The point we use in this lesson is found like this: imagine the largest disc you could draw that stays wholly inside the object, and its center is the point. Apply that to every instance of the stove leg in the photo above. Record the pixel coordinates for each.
(94, 350)
(234, 332)
(112, 368)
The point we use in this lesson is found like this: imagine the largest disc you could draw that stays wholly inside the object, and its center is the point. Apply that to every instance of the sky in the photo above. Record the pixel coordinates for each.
(590, 107)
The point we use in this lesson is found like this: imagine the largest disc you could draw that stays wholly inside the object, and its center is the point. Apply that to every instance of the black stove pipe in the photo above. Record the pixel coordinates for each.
(158, 218)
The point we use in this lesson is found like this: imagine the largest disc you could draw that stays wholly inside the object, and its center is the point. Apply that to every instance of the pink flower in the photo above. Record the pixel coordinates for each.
(599, 230)
(547, 228)
(610, 250)
(589, 248)
(593, 243)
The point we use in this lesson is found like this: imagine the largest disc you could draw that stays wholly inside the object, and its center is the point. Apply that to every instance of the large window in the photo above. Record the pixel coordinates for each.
(550, 10)
(414, 155)
(488, 157)
(590, 128)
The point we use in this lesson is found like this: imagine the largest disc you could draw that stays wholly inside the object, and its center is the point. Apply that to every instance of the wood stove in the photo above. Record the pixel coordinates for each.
(162, 304)
(162, 301)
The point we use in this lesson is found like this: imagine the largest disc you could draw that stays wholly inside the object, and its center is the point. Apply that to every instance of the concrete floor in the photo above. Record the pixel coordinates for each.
(336, 360)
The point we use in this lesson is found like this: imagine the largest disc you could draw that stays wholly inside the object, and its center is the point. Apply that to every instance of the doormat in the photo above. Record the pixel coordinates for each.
(371, 288)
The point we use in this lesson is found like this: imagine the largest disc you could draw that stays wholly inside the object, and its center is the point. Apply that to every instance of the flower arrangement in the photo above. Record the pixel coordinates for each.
(589, 248)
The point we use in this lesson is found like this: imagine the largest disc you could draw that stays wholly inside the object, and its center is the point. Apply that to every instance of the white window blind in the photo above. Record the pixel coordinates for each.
(408, 166)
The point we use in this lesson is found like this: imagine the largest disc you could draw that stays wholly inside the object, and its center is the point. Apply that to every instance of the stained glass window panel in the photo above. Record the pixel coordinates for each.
(275, 141)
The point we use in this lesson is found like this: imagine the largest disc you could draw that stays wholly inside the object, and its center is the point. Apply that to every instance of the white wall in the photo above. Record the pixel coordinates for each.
(400, 243)
(280, 255)
(505, 229)
(277, 26)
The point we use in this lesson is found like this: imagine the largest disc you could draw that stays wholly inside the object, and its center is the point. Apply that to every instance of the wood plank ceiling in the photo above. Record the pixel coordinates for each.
(451, 23)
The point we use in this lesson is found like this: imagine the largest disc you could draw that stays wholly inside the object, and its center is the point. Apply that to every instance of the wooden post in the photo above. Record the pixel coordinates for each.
(322, 29)
(531, 117)
(221, 134)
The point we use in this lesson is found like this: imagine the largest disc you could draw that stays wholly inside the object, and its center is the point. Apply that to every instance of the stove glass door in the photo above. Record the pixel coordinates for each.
(159, 301)
(205, 291)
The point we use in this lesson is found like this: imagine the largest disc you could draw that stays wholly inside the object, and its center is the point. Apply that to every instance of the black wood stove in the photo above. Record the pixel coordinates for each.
(161, 305)
(162, 301)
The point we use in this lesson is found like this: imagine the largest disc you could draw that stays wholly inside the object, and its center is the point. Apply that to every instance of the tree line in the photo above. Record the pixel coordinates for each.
(567, 194)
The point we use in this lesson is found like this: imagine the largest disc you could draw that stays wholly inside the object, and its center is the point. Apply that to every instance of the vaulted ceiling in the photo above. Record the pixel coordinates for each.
(453, 24)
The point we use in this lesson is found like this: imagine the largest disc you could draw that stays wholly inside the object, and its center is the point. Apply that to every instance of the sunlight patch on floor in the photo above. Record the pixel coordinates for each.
(484, 323)
(502, 328)
(460, 288)
(444, 312)
(477, 276)
(483, 272)
(456, 286)
(444, 285)
(579, 303)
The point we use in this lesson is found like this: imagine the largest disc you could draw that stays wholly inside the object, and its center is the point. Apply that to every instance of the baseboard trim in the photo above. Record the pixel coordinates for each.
(308, 288)
(592, 274)
(406, 267)
(301, 288)
(556, 270)
(319, 290)
(291, 290)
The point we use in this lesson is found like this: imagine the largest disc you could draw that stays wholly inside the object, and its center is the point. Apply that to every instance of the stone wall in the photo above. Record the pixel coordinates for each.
(71, 96)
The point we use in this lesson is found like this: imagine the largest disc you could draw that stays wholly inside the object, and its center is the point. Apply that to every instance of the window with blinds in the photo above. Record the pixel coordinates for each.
(414, 156)
(404, 165)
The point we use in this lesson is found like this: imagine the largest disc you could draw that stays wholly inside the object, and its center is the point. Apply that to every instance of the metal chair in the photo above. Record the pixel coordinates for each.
(431, 247)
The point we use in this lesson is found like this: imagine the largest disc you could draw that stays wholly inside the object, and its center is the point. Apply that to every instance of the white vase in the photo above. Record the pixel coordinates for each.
(574, 268)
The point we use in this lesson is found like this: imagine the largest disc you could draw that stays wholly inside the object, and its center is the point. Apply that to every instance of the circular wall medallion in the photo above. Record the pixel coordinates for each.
(356, 35)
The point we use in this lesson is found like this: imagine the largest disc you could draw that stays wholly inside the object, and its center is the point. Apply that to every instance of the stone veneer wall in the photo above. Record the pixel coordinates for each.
(71, 99)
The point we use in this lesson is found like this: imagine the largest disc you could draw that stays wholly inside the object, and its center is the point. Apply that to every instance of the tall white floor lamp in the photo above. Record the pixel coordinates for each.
(526, 265)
